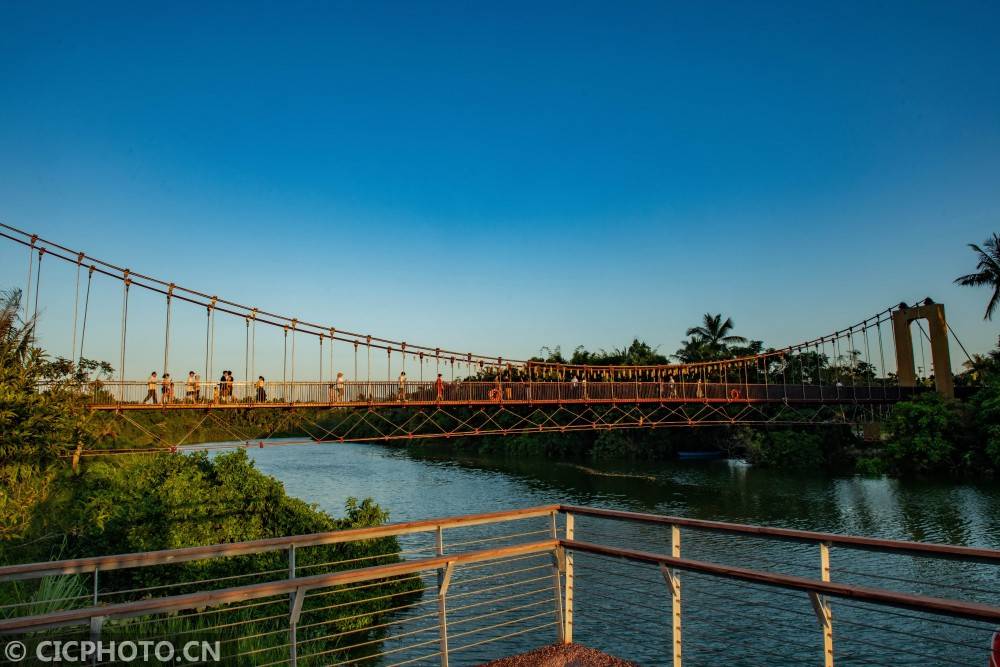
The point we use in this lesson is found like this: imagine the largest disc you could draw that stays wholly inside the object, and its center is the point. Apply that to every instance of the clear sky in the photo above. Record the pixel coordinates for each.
(500, 176)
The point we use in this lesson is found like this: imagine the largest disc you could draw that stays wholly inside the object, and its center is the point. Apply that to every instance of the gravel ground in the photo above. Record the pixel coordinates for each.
(561, 655)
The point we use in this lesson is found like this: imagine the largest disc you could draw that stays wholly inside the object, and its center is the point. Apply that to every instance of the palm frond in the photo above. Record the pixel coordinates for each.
(988, 274)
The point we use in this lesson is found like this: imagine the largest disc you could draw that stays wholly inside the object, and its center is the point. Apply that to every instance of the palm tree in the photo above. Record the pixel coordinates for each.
(711, 340)
(714, 333)
(977, 366)
(988, 273)
(15, 335)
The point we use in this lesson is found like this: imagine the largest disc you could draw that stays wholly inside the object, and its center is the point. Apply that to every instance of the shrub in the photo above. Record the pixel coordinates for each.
(922, 433)
(785, 449)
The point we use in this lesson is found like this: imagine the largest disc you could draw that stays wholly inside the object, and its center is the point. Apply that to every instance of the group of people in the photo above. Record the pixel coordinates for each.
(401, 396)
(224, 390)
(192, 388)
(337, 390)
(668, 389)
(166, 388)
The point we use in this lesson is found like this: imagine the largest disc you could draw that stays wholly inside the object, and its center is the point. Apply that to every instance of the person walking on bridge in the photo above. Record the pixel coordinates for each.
(261, 393)
(439, 388)
(151, 388)
(190, 387)
(402, 386)
(167, 389)
(340, 387)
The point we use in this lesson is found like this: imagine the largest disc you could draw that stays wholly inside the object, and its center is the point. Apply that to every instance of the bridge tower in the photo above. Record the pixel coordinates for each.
(938, 332)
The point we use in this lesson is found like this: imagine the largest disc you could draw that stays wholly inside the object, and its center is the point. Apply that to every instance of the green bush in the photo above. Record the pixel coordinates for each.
(785, 449)
(922, 434)
(126, 504)
(870, 466)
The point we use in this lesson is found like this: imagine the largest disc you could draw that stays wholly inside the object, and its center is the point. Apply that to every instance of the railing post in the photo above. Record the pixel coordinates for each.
(821, 605)
(558, 562)
(444, 579)
(568, 583)
(293, 648)
(673, 580)
(442, 612)
(96, 625)
(675, 551)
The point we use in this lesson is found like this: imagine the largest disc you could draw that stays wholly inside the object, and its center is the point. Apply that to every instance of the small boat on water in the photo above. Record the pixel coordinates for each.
(699, 456)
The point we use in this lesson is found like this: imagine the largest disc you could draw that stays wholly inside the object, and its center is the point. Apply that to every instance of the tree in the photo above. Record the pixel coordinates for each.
(15, 335)
(978, 369)
(711, 340)
(921, 434)
(36, 427)
(988, 273)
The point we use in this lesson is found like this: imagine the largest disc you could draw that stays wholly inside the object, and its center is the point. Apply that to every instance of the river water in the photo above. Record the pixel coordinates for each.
(624, 609)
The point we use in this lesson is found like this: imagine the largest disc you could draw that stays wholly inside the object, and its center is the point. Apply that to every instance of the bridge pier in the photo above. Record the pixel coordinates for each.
(940, 356)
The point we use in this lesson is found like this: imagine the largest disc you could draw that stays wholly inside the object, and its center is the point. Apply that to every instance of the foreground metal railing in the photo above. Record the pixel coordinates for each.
(468, 589)
(182, 394)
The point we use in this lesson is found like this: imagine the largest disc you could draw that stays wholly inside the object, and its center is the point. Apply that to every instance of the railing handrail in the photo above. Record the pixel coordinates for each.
(169, 556)
(975, 554)
(224, 550)
(266, 589)
(924, 603)
(179, 382)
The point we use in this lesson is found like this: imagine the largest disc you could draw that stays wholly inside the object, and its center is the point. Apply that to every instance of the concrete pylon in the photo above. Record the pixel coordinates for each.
(938, 331)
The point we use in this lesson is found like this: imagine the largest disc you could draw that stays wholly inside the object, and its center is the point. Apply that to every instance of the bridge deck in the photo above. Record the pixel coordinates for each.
(365, 395)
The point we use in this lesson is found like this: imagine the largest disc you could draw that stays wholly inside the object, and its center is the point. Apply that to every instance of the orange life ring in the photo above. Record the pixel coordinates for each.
(735, 394)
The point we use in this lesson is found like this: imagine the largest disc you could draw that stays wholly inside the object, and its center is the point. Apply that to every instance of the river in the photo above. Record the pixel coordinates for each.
(757, 626)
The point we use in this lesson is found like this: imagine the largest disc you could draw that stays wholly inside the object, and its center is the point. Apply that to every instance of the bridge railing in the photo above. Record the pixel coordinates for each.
(725, 592)
(354, 394)
(350, 583)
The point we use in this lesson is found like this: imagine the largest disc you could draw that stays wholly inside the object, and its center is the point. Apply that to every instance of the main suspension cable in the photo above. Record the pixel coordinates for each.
(201, 298)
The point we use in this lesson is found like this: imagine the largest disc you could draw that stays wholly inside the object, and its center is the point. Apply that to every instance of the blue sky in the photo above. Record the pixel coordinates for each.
(498, 177)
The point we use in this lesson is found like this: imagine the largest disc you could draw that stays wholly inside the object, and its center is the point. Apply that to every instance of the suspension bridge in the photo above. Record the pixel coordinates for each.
(841, 377)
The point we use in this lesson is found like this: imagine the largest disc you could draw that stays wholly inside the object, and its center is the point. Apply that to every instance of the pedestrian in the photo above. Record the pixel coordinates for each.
(402, 386)
(167, 389)
(261, 394)
(197, 386)
(151, 388)
(340, 386)
(673, 387)
(699, 392)
(221, 394)
(230, 383)
(439, 388)
(190, 387)
(583, 385)
(574, 384)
